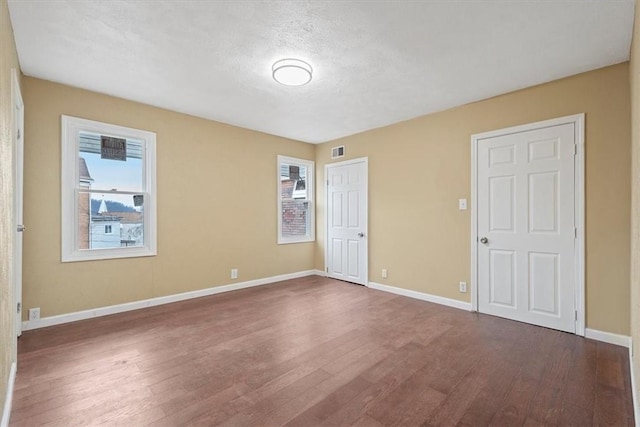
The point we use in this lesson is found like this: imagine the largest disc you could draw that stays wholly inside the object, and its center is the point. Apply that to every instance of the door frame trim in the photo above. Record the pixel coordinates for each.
(364, 160)
(17, 105)
(578, 121)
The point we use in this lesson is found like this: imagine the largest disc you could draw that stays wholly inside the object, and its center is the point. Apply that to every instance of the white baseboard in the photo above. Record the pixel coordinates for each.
(608, 337)
(634, 396)
(422, 296)
(6, 413)
(136, 305)
(321, 273)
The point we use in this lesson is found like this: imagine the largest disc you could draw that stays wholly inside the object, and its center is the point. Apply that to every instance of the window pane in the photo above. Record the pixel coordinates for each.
(108, 163)
(295, 206)
(295, 218)
(108, 220)
(293, 179)
(108, 191)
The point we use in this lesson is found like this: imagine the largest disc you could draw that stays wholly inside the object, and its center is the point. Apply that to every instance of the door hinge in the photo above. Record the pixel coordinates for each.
(575, 232)
(19, 307)
(575, 149)
(18, 136)
(576, 315)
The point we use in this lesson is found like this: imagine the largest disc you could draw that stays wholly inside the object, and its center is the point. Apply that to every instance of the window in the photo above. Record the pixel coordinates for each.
(296, 221)
(108, 191)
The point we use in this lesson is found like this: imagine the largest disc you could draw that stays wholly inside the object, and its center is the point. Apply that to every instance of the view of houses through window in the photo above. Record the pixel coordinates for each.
(110, 202)
(296, 197)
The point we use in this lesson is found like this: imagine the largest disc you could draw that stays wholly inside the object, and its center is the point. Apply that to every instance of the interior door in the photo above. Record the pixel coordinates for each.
(18, 146)
(347, 249)
(526, 226)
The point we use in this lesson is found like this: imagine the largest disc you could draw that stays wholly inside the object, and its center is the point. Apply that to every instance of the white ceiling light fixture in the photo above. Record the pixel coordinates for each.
(292, 72)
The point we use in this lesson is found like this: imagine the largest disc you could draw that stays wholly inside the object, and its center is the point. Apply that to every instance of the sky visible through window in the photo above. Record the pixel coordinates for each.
(114, 175)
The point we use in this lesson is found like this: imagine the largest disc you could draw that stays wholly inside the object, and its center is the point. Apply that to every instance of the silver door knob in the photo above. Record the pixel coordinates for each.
(484, 240)
(21, 228)
(361, 234)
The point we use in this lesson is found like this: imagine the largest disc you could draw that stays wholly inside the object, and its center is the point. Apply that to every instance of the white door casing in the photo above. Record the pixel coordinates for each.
(346, 256)
(18, 152)
(528, 203)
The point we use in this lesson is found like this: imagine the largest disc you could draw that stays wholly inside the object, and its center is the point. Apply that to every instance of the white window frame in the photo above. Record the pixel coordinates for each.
(71, 128)
(310, 165)
(108, 227)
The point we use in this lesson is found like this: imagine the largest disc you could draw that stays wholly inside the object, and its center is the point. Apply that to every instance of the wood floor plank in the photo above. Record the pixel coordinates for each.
(411, 403)
(516, 405)
(366, 421)
(331, 403)
(485, 405)
(315, 351)
(465, 392)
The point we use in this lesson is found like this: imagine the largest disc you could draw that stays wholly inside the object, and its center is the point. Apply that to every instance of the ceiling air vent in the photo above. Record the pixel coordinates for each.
(337, 152)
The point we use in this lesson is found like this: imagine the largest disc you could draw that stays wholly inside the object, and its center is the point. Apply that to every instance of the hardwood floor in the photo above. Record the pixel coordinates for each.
(315, 351)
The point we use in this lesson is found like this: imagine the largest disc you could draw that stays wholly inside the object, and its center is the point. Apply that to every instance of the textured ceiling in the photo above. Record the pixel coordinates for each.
(375, 62)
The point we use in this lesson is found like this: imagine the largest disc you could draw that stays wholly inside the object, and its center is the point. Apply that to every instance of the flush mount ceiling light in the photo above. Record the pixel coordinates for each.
(292, 72)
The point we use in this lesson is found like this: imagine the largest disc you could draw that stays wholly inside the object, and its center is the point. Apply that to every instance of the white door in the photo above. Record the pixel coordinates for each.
(18, 146)
(526, 250)
(347, 252)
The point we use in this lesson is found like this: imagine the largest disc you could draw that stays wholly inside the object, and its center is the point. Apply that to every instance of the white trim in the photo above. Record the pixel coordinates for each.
(18, 201)
(151, 302)
(608, 337)
(364, 160)
(70, 128)
(320, 273)
(581, 321)
(578, 121)
(310, 165)
(474, 225)
(634, 396)
(6, 413)
(449, 302)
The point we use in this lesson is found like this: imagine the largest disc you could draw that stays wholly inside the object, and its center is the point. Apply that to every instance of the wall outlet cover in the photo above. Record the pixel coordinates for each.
(34, 313)
(463, 287)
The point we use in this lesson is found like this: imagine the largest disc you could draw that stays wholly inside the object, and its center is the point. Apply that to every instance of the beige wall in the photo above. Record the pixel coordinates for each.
(216, 205)
(635, 197)
(8, 60)
(420, 168)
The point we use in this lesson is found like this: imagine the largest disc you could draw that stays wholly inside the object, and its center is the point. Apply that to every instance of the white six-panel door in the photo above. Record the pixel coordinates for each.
(347, 251)
(526, 227)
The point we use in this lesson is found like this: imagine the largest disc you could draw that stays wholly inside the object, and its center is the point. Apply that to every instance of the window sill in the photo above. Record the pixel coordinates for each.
(104, 254)
(289, 241)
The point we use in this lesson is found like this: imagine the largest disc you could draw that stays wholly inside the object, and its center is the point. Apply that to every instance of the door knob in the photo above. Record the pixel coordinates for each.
(21, 228)
(361, 234)
(484, 240)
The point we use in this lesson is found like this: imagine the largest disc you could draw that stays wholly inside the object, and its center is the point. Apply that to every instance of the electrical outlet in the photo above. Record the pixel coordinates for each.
(234, 273)
(34, 313)
(463, 287)
(462, 204)
(384, 273)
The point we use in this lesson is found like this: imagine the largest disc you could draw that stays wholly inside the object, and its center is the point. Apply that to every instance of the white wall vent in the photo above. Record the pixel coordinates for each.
(337, 152)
